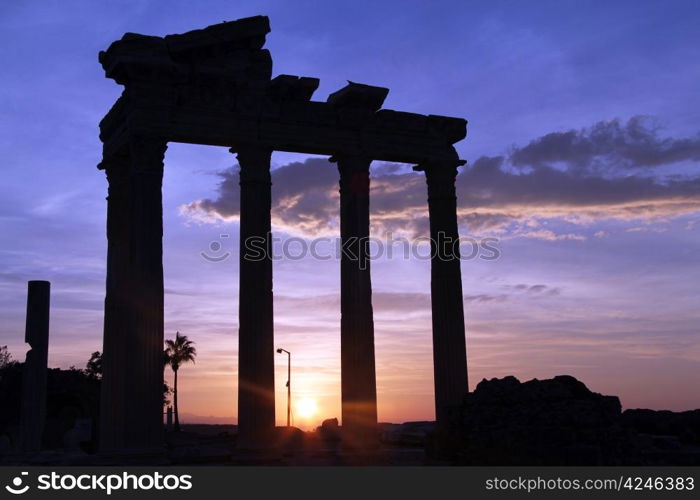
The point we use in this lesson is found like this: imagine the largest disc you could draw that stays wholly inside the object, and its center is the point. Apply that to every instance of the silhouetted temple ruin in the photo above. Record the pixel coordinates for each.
(213, 86)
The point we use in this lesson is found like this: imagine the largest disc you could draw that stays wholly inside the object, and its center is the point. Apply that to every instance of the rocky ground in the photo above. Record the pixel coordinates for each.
(560, 421)
(294, 447)
(504, 421)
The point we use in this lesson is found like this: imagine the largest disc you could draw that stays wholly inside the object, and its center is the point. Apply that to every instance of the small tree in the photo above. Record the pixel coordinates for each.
(93, 368)
(5, 357)
(178, 351)
(167, 391)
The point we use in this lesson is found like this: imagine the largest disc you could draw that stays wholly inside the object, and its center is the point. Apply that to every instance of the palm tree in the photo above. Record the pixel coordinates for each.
(178, 351)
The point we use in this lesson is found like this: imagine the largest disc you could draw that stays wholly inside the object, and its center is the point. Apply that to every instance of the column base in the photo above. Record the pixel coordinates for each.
(256, 443)
(359, 439)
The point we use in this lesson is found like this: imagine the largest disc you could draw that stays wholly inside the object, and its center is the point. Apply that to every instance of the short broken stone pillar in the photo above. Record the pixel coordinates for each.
(358, 377)
(33, 410)
(256, 368)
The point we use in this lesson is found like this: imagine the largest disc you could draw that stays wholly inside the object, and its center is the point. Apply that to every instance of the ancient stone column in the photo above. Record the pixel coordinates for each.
(131, 412)
(256, 370)
(358, 379)
(449, 346)
(33, 409)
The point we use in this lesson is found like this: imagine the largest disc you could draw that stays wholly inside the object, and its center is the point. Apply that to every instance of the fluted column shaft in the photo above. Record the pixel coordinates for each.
(131, 419)
(256, 371)
(358, 378)
(449, 345)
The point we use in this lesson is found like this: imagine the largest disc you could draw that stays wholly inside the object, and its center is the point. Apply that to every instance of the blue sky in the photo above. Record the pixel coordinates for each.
(583, 148)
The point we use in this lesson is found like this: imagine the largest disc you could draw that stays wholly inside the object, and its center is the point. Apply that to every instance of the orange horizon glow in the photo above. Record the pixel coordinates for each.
(212, 398)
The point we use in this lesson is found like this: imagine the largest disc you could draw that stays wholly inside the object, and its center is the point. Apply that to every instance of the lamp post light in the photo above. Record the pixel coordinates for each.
(289, 383)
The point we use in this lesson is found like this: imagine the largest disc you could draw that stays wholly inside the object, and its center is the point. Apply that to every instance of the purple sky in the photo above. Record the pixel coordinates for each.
(583, 150)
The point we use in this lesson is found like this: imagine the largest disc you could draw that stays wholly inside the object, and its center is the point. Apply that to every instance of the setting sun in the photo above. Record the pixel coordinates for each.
(306, 408)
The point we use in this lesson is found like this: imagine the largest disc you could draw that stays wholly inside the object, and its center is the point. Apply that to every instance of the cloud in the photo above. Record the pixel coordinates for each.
(538, 289)
(495, 196)
(576, 176)
(398, 304)
(548, 235)
(608, 144)
(305, 199)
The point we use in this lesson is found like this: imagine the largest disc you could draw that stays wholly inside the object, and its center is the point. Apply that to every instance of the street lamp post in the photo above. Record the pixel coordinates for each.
(289, 383)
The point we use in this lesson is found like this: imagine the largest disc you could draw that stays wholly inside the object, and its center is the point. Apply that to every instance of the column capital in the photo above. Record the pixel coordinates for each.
(251, 152)
(440, 177)
(351, 161)
(147, 154)
(254, 163)
(354, 173)
(116, 168)
(440, 167)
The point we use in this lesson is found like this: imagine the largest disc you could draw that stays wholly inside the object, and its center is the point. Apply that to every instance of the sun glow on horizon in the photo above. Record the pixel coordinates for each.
(306, 408)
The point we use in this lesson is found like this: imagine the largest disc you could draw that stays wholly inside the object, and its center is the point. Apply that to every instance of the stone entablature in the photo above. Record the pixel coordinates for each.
(213, 86)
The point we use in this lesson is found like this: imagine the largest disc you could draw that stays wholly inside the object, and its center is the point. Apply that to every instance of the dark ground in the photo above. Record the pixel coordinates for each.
(502, 422)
